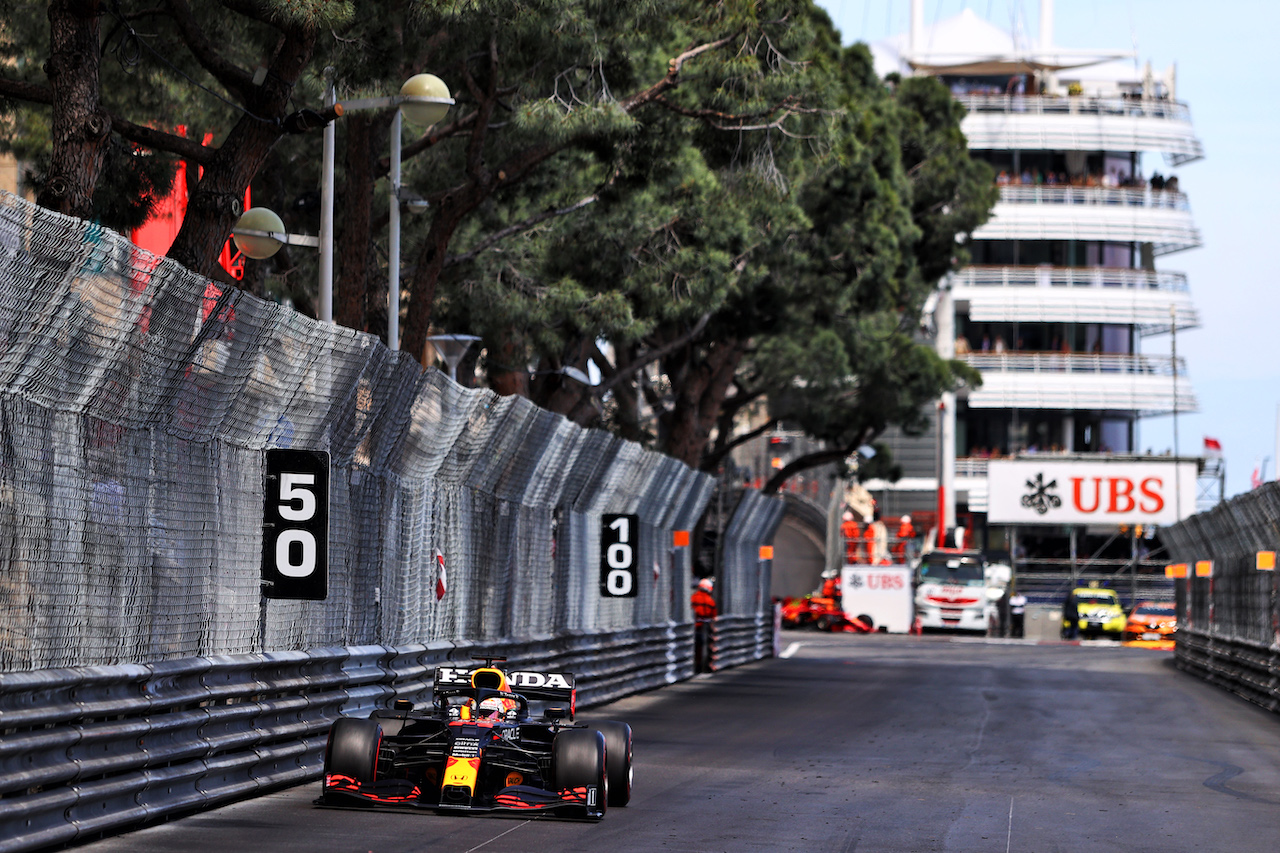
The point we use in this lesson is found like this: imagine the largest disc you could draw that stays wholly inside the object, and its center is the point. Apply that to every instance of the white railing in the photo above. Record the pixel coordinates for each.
(971, 467)
(1047, 276)
(1076, 105)
(1115, 196)
(1073, 362)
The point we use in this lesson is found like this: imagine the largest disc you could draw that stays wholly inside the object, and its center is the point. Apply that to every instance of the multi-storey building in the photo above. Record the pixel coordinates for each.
(1067, 280)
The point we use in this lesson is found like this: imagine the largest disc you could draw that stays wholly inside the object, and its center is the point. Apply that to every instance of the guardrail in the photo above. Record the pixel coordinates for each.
(736, 640)
(1228, 594)
(96, 749)
(1248, 669)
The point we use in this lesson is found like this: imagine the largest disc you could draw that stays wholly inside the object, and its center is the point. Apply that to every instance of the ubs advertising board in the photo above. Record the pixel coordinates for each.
(880, 594)
(1067, 491)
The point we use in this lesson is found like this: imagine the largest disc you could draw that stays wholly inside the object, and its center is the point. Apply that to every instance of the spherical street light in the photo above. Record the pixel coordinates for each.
(428, 86)
(255, 233)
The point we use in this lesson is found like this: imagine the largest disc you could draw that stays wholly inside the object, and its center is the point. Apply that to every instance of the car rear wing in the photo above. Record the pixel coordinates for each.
(543, 690)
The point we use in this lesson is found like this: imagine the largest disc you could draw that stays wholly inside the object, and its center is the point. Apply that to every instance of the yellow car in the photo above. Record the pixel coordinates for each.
(1098, 613)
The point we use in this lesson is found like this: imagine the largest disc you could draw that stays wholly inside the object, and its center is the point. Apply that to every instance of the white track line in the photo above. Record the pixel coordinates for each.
(496, 837)
(1009, 841)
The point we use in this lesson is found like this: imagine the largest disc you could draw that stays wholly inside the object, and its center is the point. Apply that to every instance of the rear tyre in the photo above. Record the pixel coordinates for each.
(578, 761)
(353, 749)
(617, 755)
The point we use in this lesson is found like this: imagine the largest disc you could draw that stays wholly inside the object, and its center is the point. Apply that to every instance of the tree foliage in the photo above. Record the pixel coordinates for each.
(713, 204)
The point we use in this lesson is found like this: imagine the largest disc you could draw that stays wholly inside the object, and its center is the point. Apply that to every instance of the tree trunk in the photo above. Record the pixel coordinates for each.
(507, 381)
(698, 403)
(219, 197)
(80, 127)
(426, 274)
(358, 292)
(626, 399)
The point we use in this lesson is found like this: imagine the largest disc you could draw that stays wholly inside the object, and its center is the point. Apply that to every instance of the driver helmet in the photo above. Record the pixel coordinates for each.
(495, 707)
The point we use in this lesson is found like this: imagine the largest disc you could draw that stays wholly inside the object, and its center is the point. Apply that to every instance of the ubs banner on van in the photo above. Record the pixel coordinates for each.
(1067, 491)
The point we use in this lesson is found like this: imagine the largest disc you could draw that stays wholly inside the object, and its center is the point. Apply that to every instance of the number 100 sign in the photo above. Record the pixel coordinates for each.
(618, 555)
(295, 525)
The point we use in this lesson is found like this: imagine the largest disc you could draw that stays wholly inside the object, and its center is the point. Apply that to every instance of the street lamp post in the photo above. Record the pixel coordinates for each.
(425, 100)
(452, 348)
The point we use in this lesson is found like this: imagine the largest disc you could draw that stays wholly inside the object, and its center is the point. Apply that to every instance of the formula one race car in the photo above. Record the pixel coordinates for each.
(492, 741)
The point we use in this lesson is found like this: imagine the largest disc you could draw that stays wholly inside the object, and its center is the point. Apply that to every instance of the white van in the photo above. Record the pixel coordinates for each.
(959, 590)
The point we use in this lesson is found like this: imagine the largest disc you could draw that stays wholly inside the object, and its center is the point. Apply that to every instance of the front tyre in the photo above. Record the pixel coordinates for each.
(617, 753)
(352, 750)
(578, 761)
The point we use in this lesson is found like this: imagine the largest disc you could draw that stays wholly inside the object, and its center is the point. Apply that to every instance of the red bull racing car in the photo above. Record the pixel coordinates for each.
(491, 741)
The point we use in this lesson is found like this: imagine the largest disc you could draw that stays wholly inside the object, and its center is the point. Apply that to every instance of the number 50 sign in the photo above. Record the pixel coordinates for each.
(618, 555)
(295, 525)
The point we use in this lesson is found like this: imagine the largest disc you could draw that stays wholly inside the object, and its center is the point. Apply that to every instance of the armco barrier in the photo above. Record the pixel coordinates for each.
(1229, 615)
(93, 749)
(736, 640)
(1248, 669)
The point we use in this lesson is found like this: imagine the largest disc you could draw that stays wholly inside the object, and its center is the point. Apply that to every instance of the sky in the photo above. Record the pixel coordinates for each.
(1226, 72)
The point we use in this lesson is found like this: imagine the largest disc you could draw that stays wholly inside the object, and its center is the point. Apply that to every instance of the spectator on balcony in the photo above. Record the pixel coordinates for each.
(962, 345)
(1026, 177)
(1157, 181)
(1171, 185)
(986, 343)
(1002, 179)
(999, 347)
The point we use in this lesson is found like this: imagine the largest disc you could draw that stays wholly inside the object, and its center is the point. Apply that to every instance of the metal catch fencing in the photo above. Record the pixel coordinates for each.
(1228, 610)
(141, 671)
(136, 400)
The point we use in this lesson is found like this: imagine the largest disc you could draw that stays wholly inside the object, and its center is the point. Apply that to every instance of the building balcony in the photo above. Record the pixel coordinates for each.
(1144, 384)
(1021, 122)
(1047, 294)
(1112, 214)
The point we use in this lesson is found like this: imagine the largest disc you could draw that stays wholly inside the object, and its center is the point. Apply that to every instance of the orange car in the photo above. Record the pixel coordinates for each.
(1151, 620)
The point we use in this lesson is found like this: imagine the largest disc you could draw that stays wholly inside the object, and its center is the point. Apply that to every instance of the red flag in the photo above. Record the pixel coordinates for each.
(1255, 479)
(440, 578)
(1212, 445)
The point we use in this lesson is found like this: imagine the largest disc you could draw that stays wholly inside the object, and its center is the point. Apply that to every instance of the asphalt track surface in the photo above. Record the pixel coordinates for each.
(871, 743)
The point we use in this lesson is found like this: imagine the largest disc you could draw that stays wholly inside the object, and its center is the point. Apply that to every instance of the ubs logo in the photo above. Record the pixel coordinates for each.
(1040, 496)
